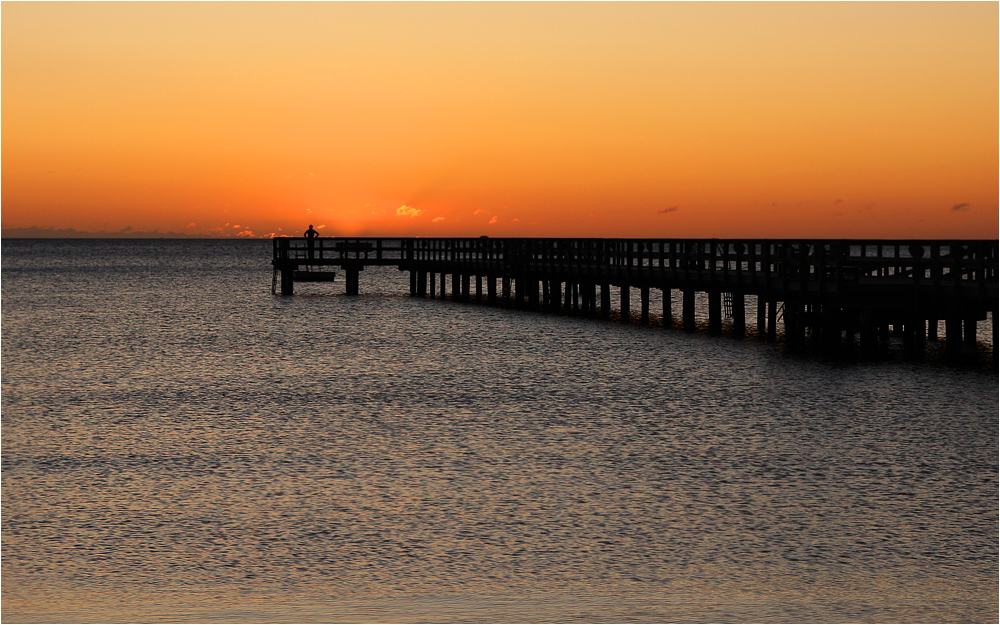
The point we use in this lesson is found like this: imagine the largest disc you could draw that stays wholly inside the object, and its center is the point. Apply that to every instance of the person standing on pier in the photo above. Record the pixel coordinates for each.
(310, 236)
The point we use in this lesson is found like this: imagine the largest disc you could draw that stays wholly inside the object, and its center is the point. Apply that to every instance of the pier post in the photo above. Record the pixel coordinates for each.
(491, 289)
(932, 330)
(479, 289)
(850, 324)
(688, 311)
(761, 316)
(953, 334)
(625, 292)
(505, 289)
(413, 283)
(772, 320)
(739, 315)
(287, 280)
(919, 337)
(883, 336)
(830, 321)
(456, 287)
(813, 319)
(869, 334)
(444, 286)
(591, 299)
(465, 287)
(668, 314)
(794, 329)
(433, 288)
(714, 312)
(644, 298)
(970, 332)
(351, 276)
(993, 322)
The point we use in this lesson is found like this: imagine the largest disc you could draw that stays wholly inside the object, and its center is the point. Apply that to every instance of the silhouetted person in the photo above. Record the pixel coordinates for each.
(310, 236)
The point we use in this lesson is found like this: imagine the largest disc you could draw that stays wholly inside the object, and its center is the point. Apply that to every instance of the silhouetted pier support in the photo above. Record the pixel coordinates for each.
(761, 317)
(794, 329)
(287, 281)
(829, 295)
(351, 277)
(491, 291)
(688, 312)
(772, 320)
(714, 312)
(739, 315)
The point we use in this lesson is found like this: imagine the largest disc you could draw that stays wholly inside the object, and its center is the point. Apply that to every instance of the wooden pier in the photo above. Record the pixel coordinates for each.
(831, 291)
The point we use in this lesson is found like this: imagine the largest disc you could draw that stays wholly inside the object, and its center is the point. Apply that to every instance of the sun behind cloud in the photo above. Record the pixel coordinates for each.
(408, 211)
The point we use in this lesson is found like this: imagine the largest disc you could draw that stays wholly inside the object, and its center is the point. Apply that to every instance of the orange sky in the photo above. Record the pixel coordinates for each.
(506, 119)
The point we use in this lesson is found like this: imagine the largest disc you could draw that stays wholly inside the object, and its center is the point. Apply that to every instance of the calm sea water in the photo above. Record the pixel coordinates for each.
(181, 445)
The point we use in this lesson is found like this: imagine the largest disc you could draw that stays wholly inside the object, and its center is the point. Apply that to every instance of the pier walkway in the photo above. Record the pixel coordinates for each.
(830, 290)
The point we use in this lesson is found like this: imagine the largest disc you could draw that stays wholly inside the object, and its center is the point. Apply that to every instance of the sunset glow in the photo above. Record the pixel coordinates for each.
(857, 120)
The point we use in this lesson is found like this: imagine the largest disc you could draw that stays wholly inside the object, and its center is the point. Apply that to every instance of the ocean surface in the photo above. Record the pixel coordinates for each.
(181, 445)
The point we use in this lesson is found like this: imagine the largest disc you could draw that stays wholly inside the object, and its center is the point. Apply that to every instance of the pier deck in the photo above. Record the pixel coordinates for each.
(831, 289)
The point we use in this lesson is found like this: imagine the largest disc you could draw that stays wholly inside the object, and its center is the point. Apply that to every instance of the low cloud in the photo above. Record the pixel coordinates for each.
(667, 210)
(961, 207)
(408, 211)
(478, 210)
(494, 220)
(437, 219)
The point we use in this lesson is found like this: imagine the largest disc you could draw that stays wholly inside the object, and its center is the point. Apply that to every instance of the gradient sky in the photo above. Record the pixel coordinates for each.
(857, 120)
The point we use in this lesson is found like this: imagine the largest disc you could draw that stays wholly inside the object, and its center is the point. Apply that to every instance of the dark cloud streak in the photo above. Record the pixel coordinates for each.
(36, 232)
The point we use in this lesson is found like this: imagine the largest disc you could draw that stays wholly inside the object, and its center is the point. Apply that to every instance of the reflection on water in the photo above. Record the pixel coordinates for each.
(180, 445)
